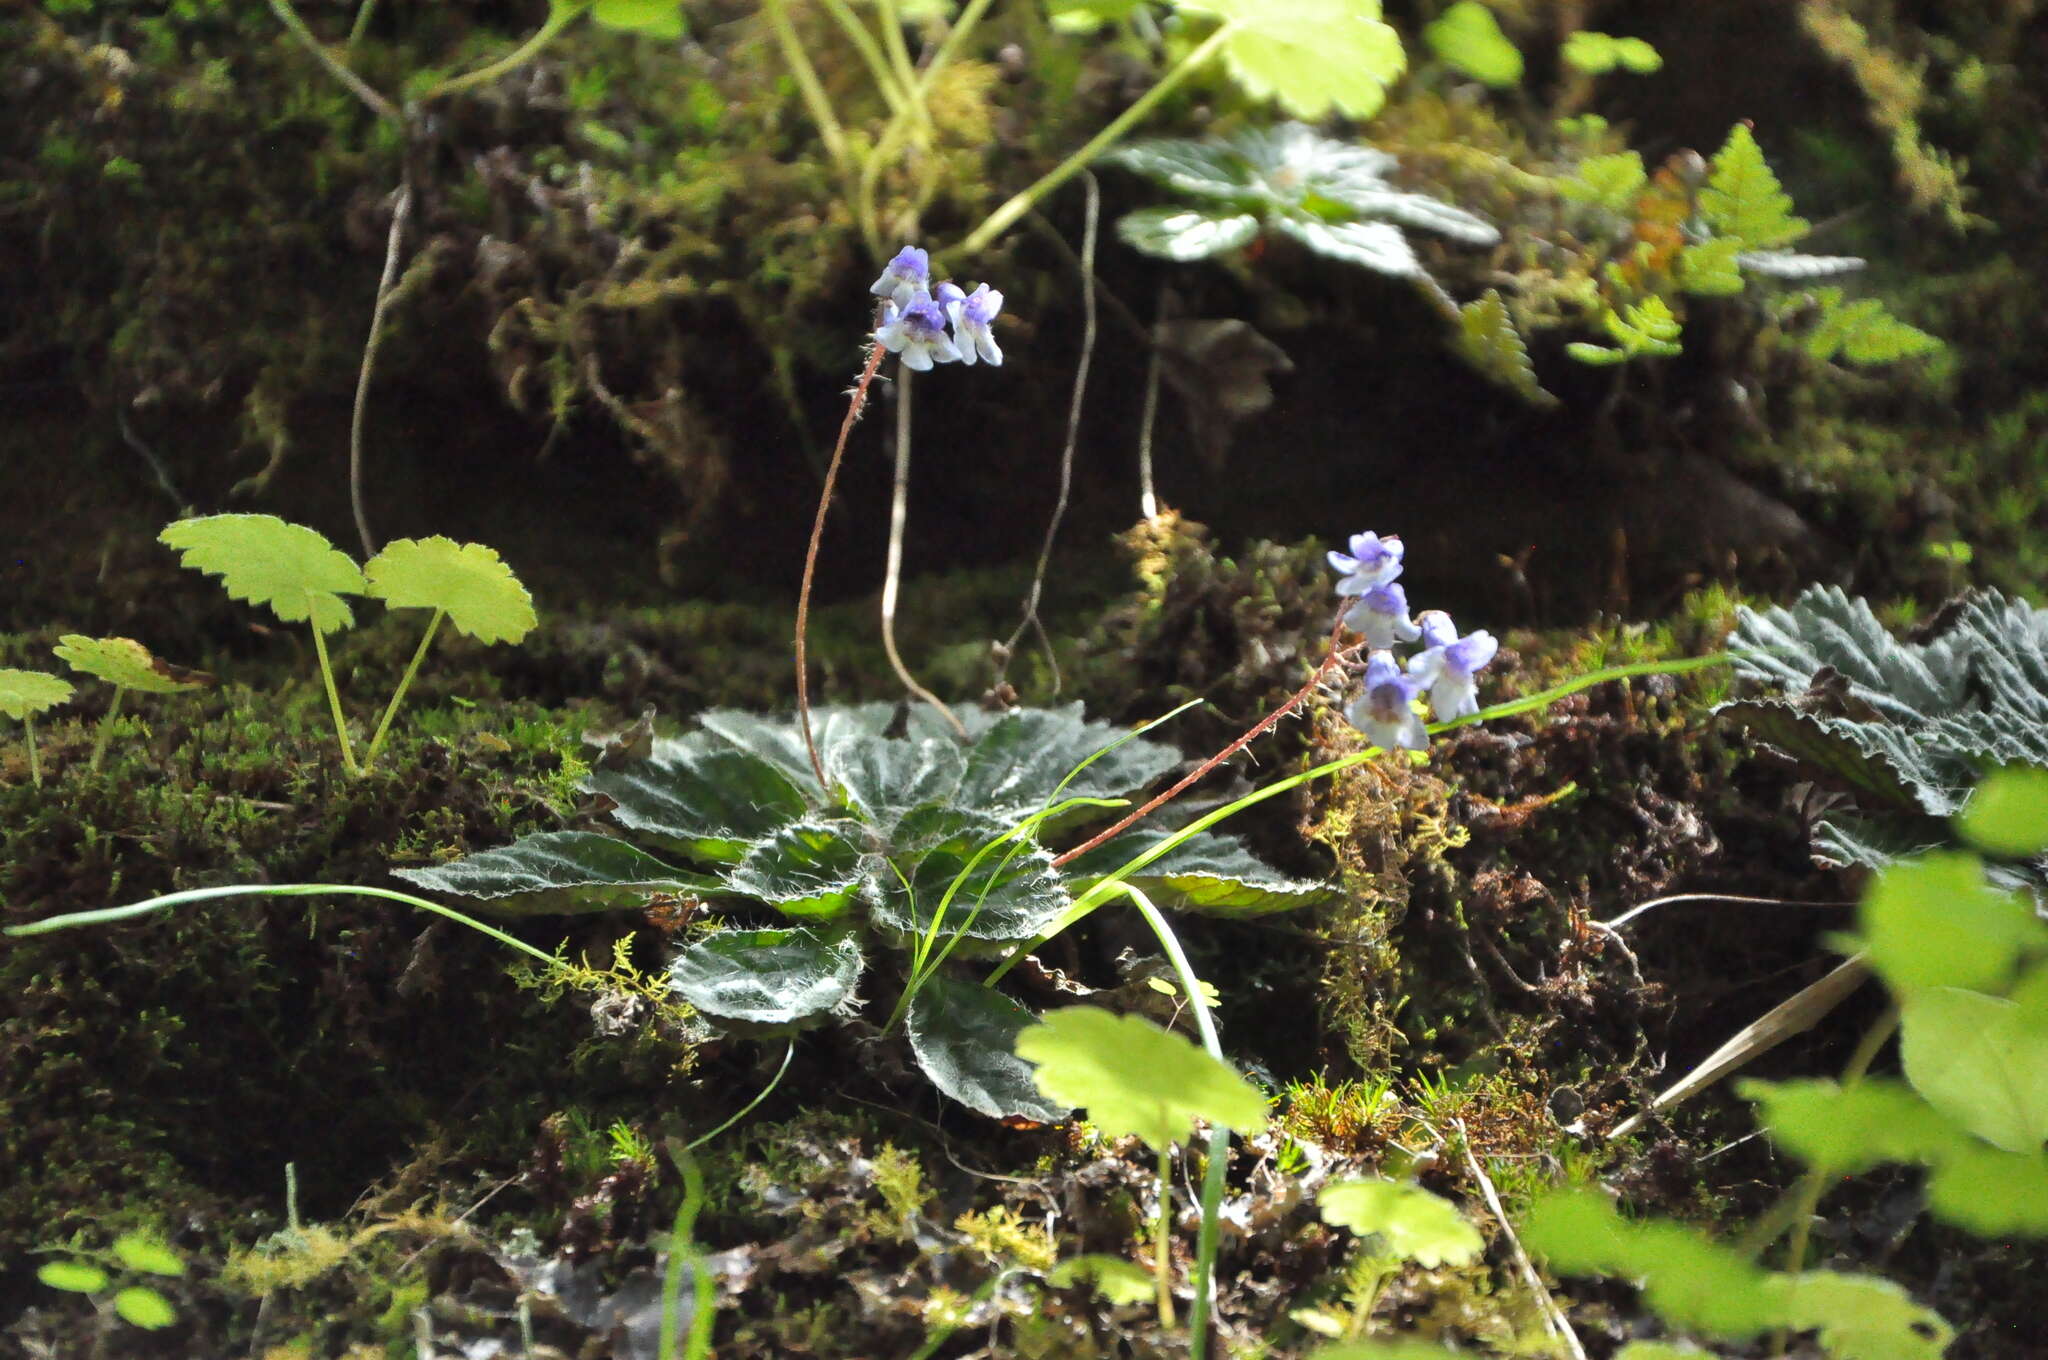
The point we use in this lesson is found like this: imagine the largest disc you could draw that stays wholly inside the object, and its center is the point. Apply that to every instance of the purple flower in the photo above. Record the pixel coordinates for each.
(1448, 664)
(1372, 561)
(1381, 614)
(909, 274)
(1385, 709)
(972, 313)
(917, 332)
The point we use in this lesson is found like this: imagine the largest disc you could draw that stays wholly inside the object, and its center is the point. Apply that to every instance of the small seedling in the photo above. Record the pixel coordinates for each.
(93, 1274)
(23, 694)
(302, 577)
(1401, 1223)
(125, 664)
(1137, 1080)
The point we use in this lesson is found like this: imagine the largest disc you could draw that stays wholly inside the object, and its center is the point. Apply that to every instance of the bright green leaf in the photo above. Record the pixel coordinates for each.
(147, 1254)
(142, 1307)
(23, 694)
(1981, 1060)
(1467, 38)
(1863, 332)
(1135, 1079)
(1314, 56)
(481, 595)
(651, 18)
(1685, 1277)
(1488, 340)
(1085, 16)
(264, 560)
(1115, 1279)
(127, 664)
(79, 1277)
(1859, 1317)
(1709, 269)
(1387, 1350)
(1935, 922)
(964, 1037)
(1598, 53)
(1411, 1223)
(1612, 181)
(1743, 199)
(1661, 1350)
(1990, 1192)
(1598, 356)
(767, 977)
(2007, 815)
(1637, 57)
(1208, 872)
(1837, 1130)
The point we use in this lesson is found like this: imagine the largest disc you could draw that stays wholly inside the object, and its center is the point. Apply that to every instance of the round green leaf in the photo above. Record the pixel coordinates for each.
(1935, 922)
(264, 560)
(148, 1255)
(1314, 56)
(1413, 1224)
(1115, 1279)
(766, 977)
(26, 693)
(1981, 1060)
(127, 664)
(1135, 1079)
(650, 18)
(144, 1308)
(482, 596)
(79, 1277)
(964, 1036)
(1467, 38)
(2008, 813)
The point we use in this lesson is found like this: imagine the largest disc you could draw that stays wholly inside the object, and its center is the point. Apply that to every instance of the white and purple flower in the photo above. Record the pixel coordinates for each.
(1448, 664)
(1372, 561)
(972, 315)
(1385, 707)
(916, 331)
(906, 276)
(1381, 614)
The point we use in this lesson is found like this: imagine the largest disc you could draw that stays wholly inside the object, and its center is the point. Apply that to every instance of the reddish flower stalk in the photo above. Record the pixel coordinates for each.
(1264, 724)
(803, 596)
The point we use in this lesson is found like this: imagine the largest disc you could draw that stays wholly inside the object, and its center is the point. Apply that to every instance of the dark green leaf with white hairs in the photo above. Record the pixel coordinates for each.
(1210, 873)
(810, 870)
(710, 800)
(881, 780)
(1012, 893)
(264, 560)
(964, 1037)
(767, 977)
(1018, 763)
(560, 871)
(1182, 234)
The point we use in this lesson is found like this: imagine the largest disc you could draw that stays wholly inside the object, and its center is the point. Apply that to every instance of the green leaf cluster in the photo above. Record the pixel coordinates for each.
(922, 850)
(1640, 328)
(1335, 197)
(1467, 38)
(132, 1255)
(1596, 54)
(1904, 728)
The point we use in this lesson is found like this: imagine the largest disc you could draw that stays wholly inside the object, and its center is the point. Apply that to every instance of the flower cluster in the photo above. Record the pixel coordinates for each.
(915, 316)
(1446, 666)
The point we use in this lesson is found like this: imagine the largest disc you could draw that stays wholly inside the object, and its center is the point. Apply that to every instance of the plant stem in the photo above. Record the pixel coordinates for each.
(405, 682)
(949, 46)
(857, 400)
(896, 95)
(1815, 1182)
(1148, 499)
(899, 57)
(701, 1139)
(361, 26)
(348, 758)
(808, 84)
(557, 20)
(401, 210)
(99, 745)
(892, 576)
(683, 1252)
(357, 86)
(1089, 222)
(35, 767)
(1162, 1238)
(1006, 216)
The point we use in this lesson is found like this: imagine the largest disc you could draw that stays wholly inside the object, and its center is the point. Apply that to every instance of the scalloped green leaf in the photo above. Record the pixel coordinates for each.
(1990, 1192)
(1686, 1278)
(1378, 246)
(1411, 1223)
(1315, 57)
(1467, 38)
(1113, 1279)
(1863, 332)
(1135, 1079)
(1981, 1060)
(560, 871)
(1020, 760)
(964, 1038)
(767, 977)
(1489, 341)
(1840, 1130)
(2006, 815)
(23, 694)
(147, 1254)
(809, 870)
(649, 18)
(127, 664)
(1012, 893)
(75, 1277)
(482, 597)
(1743, 199)
(1210, 873)
(708, 799)
(1936, 922)
(1709, 269)
(139, 1306)
(1182, 234)
(1859, 1317)
(263, 560)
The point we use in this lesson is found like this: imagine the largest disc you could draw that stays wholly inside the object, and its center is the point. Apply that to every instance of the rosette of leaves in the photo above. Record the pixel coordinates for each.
(1899, 731)
(1335, 197)
(925, 853)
